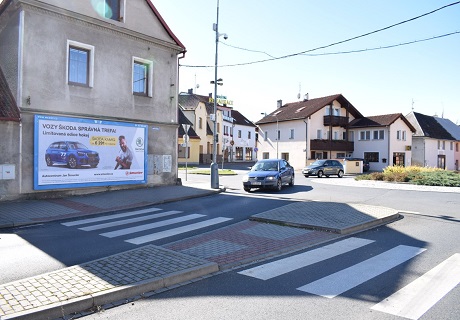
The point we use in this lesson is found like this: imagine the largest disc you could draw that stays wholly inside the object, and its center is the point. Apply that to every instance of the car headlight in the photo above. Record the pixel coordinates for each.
(81, 154)
(246, 178)
(270, 178)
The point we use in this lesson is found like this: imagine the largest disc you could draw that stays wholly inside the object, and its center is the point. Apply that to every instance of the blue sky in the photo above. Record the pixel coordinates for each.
(424, 75)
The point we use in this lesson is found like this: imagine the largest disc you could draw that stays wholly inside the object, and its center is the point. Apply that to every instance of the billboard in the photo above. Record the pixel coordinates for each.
(75, 153)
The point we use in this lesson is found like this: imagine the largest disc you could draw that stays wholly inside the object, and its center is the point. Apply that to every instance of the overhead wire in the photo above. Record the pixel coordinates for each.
(340, 42)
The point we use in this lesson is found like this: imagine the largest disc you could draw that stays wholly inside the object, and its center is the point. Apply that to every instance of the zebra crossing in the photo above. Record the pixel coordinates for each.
(133, 223)
(411, 302)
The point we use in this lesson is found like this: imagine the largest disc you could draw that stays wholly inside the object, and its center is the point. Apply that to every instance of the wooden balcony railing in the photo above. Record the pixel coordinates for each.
(335, 145)
(335, 121)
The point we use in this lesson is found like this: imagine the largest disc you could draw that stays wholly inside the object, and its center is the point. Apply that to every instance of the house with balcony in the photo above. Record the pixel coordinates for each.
(303, 131)
(199, 111)
(383, 140)
(435, 142)
(101, 76)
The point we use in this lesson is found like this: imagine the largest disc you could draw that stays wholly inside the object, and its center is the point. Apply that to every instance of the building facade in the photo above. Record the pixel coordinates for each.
(383, 140)
(90, 75)
(311, 129)
(435, 142)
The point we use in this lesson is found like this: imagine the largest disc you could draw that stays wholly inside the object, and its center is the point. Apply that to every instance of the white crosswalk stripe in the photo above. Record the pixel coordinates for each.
(283, 266)
(149, 226)
(176, 231)
(132, 220)
(418, 297)
(353, 276)
(127, 223)
(109, 217)
(411, 302)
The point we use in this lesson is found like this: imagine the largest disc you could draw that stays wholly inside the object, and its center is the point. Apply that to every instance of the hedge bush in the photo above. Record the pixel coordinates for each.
(416, 175)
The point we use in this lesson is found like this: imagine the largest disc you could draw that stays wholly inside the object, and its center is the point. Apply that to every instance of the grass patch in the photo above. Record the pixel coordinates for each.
(416, 175)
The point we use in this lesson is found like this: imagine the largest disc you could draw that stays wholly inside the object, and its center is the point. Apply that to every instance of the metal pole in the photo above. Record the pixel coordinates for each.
(214, 164)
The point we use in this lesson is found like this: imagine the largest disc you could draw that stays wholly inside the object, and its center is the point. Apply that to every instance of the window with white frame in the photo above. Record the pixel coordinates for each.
(451, 146)
(249, 134)
(80, 64)
(239, 133)
(336, 135)
(439, 144)
(142, 77)
(364, 135)
(266, 136)
(319, 134)
(404, 135)
(378, 134)
(351, 135)
(291, 134)
(111, 9)
(443, 145)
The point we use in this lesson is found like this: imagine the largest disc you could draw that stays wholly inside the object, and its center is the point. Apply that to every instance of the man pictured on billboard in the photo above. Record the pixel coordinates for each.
(125, 156)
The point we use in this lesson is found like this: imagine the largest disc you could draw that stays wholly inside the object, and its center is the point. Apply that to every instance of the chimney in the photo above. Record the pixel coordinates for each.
(210, 95)
(305, 98)
(190, 91)
(279, 104)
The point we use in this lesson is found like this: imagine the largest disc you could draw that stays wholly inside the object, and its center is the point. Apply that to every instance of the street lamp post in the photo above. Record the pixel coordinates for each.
(214, 164)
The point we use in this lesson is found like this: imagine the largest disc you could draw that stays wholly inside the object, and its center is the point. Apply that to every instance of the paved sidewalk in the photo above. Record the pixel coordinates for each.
(149, 268)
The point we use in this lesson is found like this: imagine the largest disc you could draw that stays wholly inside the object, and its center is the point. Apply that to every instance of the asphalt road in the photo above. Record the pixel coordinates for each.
(430, 224)
(234, 295)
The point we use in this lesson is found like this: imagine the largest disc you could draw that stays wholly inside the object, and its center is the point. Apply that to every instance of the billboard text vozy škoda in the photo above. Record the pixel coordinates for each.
(76, 152)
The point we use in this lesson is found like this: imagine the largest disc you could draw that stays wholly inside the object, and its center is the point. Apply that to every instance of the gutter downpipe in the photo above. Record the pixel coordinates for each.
(19, 93)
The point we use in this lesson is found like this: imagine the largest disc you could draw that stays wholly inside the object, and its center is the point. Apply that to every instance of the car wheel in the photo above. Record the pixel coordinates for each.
(247, 189)
(48, 160)
(279, 185)
(327, 176)
(306, 175)
(340, 174)
(291, 183)
(72, 162)
(320, 174)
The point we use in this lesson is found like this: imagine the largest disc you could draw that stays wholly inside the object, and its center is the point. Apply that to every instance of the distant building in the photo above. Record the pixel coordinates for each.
(435, 142)
(383, 140)
(307, 130)
(241, 145)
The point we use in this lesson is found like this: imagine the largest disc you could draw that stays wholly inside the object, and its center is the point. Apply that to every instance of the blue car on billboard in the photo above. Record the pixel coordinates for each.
(71, 153)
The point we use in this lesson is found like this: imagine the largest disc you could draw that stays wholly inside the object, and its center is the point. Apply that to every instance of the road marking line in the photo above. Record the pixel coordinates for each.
(110, 217)
(419, 296)
(128, 221)
(348, 278)
(149, 226)
(176, 231)
(282, 266)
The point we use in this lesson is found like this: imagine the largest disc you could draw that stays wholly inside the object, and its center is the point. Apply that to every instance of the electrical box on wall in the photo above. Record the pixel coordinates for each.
(7, 171)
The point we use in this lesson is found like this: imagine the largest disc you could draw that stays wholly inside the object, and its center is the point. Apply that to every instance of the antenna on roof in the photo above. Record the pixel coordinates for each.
(300, 90)
(413, 104)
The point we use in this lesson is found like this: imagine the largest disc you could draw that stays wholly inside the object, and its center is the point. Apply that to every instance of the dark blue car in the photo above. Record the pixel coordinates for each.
(71, 153)
(269, 173)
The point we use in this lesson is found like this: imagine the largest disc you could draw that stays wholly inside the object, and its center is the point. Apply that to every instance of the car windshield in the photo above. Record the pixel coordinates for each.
(76, 145)
(265, 166)
(318, 163)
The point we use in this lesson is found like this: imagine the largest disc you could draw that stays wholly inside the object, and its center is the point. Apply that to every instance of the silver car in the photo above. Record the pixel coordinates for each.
(322, 168)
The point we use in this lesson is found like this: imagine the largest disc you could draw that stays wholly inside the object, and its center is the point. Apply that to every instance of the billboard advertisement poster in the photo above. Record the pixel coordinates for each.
(76, 152)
